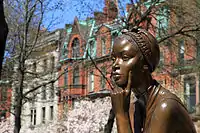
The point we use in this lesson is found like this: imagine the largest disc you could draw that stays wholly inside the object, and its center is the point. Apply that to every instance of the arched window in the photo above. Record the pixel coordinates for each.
(103, 46)
(76, 76)
(75, 48)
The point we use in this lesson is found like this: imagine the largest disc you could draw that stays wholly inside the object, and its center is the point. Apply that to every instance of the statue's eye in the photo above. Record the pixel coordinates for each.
(113, 59)
(125, 58)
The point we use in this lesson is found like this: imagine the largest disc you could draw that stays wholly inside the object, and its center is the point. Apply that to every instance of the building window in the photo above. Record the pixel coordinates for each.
(73, 103)
(44, 93)
(3, 94)
(102, 79)
(92, 48)
(52, 91)
(181, 50)
(34, 98)
(190, 93)
(33, 116)
(75, 48)
(66, 106)
(51, 112)
(34, 67)
(66, 78)
(64, 50)
(198, 45)
(161, 58)
(91, 81)
(179, 16)
(76, 76)
(52, 62)
(44, 65)
(114, 35)
(103, 46)
(162, 21)
(2, 115)
(43, 114)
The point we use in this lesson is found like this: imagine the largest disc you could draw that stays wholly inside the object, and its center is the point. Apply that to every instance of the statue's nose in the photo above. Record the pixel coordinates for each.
(115, 65)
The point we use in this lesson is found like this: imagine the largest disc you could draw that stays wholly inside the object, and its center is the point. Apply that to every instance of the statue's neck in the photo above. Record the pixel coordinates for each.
(143, 86)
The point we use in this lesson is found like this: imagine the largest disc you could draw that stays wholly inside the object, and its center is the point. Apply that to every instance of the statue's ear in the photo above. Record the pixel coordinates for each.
(134, 29)
(145, 67)
(123, 31)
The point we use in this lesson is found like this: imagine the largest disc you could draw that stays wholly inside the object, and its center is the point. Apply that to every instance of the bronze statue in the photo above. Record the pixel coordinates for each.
(135, 56)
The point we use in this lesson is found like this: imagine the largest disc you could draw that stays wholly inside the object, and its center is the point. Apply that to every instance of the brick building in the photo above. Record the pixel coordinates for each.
(42, 104)
(86, 40)
(178, 70)
(72, 82)
(5, 99)
(86, 52)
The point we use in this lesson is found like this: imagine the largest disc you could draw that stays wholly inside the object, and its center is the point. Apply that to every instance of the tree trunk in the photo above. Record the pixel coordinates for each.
(3, 34)
(108, 127)
(17, 115)
(19, 99)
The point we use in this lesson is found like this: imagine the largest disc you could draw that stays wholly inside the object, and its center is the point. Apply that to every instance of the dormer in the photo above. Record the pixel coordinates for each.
(75, 48)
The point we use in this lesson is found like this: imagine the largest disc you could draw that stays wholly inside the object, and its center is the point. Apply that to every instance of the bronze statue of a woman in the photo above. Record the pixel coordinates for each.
(135, 56)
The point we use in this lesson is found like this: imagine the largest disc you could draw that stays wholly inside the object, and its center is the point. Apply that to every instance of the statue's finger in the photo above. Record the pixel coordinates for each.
(112, 83)
(128, 87)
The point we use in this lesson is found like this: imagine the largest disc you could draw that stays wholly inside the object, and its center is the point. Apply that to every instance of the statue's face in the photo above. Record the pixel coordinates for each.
(125, 57)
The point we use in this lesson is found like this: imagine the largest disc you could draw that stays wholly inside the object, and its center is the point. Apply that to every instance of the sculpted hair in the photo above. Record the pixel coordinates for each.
(147, 45)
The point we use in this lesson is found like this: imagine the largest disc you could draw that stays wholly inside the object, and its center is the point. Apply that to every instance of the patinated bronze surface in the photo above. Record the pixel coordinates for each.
(135, 56)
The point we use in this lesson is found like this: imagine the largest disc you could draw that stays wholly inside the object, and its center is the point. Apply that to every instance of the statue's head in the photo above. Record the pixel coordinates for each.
(135, 51)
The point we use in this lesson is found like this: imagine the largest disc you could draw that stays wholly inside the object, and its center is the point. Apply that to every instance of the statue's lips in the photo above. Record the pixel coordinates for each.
(116, 76)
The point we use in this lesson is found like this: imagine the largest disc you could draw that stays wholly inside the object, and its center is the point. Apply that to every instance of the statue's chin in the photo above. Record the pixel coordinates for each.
(121, 85)
(120, 82)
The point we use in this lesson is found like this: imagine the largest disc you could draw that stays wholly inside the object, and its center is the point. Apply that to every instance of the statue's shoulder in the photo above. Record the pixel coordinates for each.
(168, 99)
(168, 114)
(168, 95)
(169, 104)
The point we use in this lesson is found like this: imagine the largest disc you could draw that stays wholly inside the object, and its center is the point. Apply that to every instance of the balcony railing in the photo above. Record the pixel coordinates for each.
(75, 87)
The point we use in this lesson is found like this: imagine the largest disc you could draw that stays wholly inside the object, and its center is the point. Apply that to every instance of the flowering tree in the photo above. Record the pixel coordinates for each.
(6, 127)
(88, 116)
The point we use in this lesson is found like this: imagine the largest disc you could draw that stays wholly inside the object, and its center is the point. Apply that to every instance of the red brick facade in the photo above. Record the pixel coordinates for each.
(172, 72)
(5, 100)
(68, 89)
(89, 78)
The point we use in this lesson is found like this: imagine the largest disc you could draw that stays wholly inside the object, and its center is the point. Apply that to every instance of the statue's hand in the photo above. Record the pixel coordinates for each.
(121, 98)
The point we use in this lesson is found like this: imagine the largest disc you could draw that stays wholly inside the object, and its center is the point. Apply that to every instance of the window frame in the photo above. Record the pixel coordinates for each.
(76, 76)
(43, 115)
(91, 81)
(75, 48)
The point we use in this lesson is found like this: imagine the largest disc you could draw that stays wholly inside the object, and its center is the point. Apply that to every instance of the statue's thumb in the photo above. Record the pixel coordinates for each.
(128, 87)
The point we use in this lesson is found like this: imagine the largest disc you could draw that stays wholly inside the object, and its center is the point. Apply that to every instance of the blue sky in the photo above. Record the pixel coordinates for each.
(74, 8)
(80, 8)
